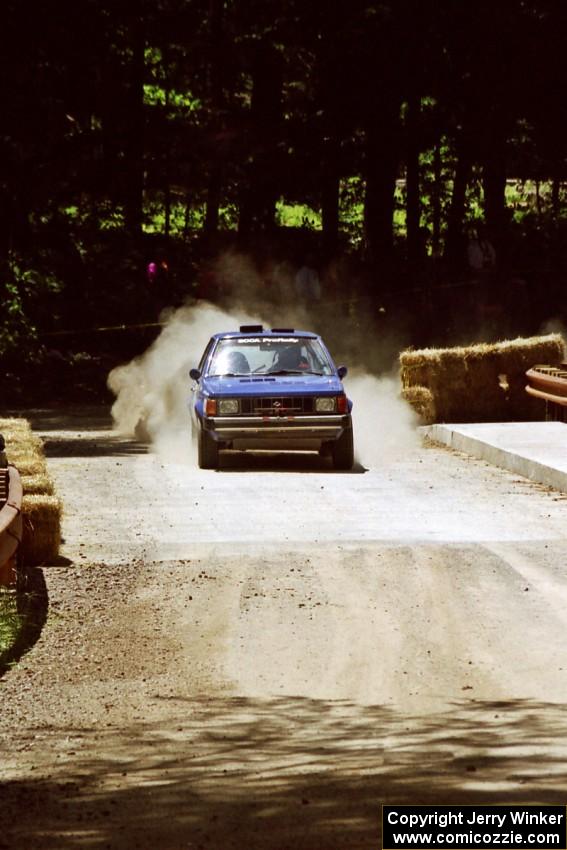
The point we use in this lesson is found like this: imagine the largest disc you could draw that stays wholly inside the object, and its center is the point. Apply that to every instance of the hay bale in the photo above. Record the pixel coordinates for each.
(40, 483)
(422, 401)
(23, 444)
(19, 434)
(419, 368)
(29, 465)
(41, 509)
(23, 448)
(42, 528)
(13, 426)
(522, 353)
(28, 457)
(483, 382)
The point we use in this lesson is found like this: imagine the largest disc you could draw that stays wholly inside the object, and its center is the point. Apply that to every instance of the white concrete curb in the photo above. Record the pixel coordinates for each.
(536, 450)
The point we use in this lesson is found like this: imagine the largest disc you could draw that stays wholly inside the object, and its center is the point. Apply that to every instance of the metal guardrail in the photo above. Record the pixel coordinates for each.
(11, 493)
(549, 383)
(555, 399)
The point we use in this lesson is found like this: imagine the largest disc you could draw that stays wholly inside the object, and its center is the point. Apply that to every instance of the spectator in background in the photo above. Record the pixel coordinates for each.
(281, 282)
(208, 281)
(151, 272)
(307, 283)
(480, 251)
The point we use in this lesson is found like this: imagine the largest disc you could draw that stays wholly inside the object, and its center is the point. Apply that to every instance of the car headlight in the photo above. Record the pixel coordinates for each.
(325, 405)
(228, 406)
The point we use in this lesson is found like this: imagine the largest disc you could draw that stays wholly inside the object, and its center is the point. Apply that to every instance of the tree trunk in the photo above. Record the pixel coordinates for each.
(382, 138)
(436, 200)
(211, 224)
(6, 226)
(186, 215)
(134, 196)
(330, 125)
(494, 184)
(166, 169)
(413, 211)
(112, 107)
(455, 250)
(167, 207)
(214, 187)
(330, 206)
(555, 198)
(260, 191)
(538, 197)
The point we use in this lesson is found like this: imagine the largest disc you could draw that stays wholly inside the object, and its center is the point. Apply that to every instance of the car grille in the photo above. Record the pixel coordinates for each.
(276, 405)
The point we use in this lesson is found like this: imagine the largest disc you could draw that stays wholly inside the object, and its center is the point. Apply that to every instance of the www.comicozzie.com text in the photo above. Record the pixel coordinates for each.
(512, 827)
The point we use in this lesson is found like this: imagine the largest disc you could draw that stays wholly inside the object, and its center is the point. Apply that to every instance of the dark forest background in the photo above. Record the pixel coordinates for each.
(413, 152)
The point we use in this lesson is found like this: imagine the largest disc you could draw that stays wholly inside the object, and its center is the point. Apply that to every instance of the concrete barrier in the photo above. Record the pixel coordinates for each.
(536, 450)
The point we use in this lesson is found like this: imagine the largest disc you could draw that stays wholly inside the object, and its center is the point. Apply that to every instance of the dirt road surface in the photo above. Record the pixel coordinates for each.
(260, 657)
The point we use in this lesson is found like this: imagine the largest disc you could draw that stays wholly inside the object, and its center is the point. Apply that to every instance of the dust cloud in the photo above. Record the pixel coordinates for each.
(385, 426)
(153, 390)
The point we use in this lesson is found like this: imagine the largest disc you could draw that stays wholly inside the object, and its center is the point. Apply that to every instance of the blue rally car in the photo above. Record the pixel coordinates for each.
(270, 389)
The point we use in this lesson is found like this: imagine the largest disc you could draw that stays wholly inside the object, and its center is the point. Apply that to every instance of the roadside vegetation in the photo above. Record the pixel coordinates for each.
(10, 619)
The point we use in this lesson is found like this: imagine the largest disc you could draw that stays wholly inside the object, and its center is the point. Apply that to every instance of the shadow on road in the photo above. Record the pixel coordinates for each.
(107, 445)
(280, 773)
(80, 432)
(31, 604)
(267, 461)
(70, 418)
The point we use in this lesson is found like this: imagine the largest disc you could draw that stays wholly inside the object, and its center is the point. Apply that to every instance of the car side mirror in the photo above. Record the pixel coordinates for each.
(195, 374)
(342, 371)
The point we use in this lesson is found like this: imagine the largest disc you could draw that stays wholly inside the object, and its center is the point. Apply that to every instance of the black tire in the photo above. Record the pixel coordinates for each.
(207, 451)
(343, 450)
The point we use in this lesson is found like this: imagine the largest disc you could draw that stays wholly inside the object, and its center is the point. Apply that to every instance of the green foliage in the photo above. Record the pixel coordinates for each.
(16, 329)
(21, 289)
(351, 209)
(297, 215)
(10, 620)
(220, 109)
(529, 199)
(184, 219)
(155, 95)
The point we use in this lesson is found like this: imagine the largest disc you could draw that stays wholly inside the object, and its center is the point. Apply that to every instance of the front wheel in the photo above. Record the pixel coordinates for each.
(343, 450)
(207, 451)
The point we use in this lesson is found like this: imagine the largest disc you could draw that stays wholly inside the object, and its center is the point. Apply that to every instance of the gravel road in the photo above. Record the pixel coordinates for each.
(260, 657)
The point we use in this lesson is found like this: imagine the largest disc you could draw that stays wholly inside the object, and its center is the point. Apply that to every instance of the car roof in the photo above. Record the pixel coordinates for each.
(265, 334)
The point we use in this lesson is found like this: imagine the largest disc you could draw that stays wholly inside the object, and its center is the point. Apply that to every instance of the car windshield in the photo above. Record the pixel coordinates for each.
(269, 356)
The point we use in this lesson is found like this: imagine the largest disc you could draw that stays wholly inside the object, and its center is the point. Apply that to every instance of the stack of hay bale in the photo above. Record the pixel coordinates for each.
(477, 383)
(41, 508)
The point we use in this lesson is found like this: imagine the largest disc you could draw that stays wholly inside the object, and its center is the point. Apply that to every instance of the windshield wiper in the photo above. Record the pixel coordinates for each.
(294, 372)
(231, 375)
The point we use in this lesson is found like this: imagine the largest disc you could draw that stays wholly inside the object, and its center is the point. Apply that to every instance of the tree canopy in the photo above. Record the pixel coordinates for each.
(389, 129)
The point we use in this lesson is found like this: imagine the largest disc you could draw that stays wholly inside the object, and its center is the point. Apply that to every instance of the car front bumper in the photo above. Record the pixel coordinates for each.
(252, 428)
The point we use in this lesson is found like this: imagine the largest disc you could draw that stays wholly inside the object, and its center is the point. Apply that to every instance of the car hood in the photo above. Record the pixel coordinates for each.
(272, 385)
